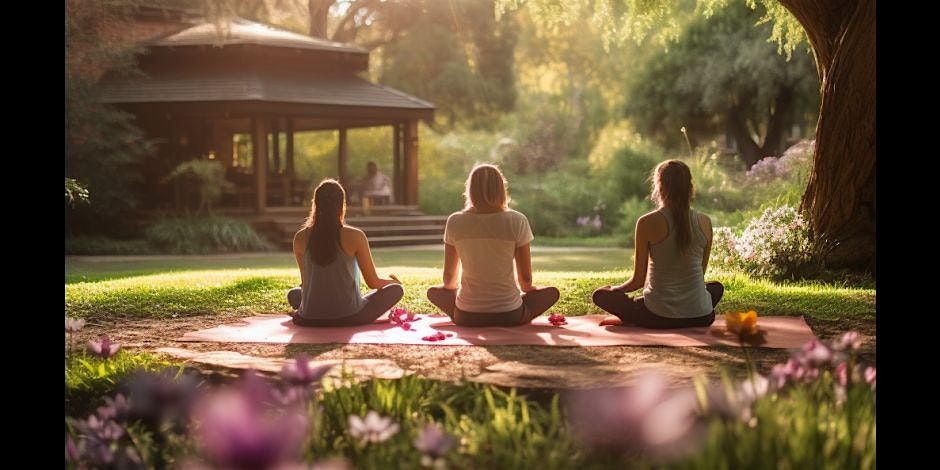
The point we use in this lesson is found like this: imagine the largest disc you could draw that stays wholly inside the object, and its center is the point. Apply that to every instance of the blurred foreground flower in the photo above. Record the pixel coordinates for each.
(373, 428)
(742, 323)
(299, 372)
(103, 348)
(433, 442)
(239, 431)
(646, 417)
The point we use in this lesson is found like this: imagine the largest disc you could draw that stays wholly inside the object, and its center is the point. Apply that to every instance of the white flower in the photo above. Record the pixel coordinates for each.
(373, 429)
(73, 325)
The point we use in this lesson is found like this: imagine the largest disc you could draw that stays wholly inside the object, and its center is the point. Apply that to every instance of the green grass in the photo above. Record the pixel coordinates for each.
(167, 287)
(88, 378)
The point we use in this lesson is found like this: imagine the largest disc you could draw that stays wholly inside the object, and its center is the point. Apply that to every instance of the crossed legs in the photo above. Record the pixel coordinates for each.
(534, 303)
(377, 303)
(632, 311)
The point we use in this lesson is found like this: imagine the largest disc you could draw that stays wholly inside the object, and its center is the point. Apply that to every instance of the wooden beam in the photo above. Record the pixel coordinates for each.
(259, 146)
(396, 163)
(289, 161)
(411, 161)
(276, 144)
(342, 156)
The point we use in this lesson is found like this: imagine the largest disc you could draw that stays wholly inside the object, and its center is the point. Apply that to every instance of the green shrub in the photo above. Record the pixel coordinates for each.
(200, 235)
(88, 378)
(630, 211)
(99, 245)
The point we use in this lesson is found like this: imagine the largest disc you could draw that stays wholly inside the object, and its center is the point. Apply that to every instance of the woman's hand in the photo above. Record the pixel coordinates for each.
(528, 287)
(385, 282)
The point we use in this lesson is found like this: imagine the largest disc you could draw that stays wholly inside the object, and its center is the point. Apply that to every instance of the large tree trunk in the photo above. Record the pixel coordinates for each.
(750, 151)
(840, 198)
(778, 122)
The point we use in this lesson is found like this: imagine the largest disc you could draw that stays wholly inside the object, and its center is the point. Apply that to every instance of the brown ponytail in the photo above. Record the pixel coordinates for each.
(327, 214)
(672, 189)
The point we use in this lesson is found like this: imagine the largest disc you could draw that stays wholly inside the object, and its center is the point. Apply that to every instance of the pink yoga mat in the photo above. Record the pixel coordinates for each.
(781, 332)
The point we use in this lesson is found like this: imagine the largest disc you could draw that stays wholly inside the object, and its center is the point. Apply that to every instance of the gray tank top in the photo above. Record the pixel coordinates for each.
(675, 284)
(331, 291)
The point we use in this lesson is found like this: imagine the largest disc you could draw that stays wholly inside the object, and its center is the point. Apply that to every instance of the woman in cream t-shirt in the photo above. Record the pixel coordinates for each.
(488, 244)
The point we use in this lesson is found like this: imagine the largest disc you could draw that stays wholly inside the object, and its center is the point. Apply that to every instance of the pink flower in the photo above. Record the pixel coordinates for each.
(557, 319)
(850, 341)
(103, 348)
(433, 441)
(842, 375)
(815, 353)
(438, 336)
(870, 376)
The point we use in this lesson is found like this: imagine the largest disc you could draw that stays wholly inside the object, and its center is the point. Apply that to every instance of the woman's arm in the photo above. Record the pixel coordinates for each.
(706, 225)
(451, 266)
(300, 246)
(366, 266)
(640, 258)
(524, 268)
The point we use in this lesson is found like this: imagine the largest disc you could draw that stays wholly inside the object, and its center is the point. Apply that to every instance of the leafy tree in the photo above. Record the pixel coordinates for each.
(722, 76)
(104, 146)
(839, 201)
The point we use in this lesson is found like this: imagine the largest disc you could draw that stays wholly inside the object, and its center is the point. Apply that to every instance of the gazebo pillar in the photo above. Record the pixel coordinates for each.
(342, 156)
(411, 161)
(259, 160)
(289, 161)
(397, 182)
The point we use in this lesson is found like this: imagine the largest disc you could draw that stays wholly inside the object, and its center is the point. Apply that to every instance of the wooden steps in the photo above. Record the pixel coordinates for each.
(385, 225)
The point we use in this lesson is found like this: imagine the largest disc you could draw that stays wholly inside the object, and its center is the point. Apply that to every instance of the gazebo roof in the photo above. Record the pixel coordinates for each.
(258, 85)
(256, 67)
(240, 31)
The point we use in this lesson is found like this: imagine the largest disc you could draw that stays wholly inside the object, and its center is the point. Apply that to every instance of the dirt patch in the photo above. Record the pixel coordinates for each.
(520, 366)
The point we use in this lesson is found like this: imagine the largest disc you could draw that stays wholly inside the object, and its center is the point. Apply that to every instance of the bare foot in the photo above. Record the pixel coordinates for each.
(611, 320)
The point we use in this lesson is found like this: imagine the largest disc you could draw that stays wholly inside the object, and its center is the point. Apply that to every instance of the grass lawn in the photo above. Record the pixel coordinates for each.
(172, 286)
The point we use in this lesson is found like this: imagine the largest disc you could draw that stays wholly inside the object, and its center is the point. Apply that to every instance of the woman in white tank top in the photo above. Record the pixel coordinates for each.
(673, 244)
(486, 248)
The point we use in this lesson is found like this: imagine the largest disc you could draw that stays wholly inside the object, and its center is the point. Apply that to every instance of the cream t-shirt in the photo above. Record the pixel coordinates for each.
(486, 245)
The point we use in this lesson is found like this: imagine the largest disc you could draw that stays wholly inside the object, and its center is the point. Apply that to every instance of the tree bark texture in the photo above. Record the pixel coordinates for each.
(840, 198)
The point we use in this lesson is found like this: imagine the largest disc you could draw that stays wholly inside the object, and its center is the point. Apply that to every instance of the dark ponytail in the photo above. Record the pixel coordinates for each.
(672, 189)
(325, 222)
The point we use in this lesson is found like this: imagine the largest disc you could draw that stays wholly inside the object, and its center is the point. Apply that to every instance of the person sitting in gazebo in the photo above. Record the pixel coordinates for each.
(375, 187)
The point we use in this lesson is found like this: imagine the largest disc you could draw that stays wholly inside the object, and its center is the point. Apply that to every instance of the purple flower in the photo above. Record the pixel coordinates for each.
(645, 416)
(103, 348)
(373, 429)
(73, 325)
(159, 398)
(300, 373)
(71, 450)
(597, 222)
(116, 408)
(237, 431)
(433, 441)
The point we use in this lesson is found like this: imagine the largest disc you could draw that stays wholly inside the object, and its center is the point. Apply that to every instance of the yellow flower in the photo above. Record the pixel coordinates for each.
(742, 323)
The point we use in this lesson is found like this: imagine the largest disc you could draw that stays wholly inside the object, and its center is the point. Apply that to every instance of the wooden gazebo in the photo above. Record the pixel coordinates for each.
(202, 88)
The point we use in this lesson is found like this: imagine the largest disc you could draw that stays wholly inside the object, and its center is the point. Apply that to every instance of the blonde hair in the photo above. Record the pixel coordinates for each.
(486, 188)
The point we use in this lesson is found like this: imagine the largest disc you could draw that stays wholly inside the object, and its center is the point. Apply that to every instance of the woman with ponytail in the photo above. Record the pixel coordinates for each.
(331, 255)
(672, 247)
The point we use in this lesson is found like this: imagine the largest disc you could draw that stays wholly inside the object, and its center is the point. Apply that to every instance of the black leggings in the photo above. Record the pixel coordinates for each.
(534, 303)
(377, 303)
(632, 311)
